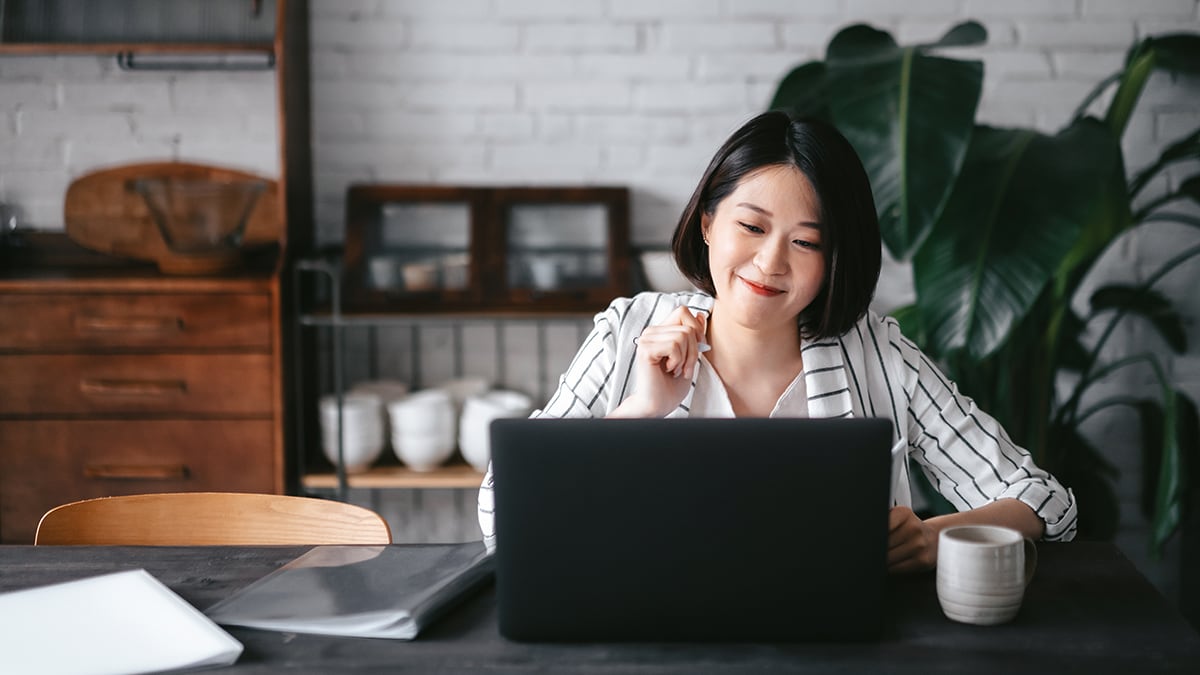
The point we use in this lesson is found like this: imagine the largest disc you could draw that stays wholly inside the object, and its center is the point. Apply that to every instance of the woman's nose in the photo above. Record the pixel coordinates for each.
(771, 258)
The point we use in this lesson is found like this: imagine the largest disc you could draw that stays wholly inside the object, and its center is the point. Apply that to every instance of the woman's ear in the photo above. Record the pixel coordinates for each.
(705, 225)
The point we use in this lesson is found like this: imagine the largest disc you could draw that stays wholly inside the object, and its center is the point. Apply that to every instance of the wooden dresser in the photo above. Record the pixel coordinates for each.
(116, 379)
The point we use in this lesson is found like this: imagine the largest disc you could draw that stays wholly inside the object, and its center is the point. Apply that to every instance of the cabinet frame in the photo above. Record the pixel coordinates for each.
(13, 41)
(61, 268)
(488, 288)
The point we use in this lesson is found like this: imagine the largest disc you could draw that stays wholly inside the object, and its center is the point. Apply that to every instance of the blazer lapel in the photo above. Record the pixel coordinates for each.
(826, 381)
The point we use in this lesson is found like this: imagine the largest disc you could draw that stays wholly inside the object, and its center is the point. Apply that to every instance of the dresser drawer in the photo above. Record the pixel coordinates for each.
(74, 384)
(47, 463)
(64, 321)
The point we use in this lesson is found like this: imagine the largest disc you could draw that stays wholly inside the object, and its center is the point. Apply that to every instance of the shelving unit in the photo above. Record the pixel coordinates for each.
(332, 317)
(224, 426)
(453, 475)
(423, 256)
(123, 27)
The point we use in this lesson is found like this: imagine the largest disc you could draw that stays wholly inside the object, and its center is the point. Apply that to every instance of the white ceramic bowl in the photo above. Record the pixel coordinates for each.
(426, 412)
(422, 452)
(456, 271)
(460, 388)
(661, 273)
(474, 429)
(387, 390)
(361, 430)
(420, 276)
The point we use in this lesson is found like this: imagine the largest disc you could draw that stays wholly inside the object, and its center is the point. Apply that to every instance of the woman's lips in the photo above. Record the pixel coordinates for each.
(760, 289)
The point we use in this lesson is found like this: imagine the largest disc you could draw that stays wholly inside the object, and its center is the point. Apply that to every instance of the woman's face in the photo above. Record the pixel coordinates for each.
(764, 247)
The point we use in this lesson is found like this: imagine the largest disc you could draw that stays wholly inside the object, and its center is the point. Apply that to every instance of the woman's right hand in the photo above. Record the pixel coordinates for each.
(666, 357)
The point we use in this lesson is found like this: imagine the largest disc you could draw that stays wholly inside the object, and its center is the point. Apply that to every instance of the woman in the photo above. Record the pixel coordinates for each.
(782, 240)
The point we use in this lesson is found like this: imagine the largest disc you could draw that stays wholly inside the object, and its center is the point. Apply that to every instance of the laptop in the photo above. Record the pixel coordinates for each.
(747, 529)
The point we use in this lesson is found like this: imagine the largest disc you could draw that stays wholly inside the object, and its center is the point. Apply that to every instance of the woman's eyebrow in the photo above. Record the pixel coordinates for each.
(758, 209)
(755, 207)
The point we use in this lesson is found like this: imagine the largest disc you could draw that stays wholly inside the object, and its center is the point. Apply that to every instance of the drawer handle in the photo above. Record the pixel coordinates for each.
(136, 471)
(133, 387)
(146, 325)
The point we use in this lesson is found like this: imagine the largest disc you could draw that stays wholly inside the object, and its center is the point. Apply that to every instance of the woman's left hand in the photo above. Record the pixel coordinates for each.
(912, 543)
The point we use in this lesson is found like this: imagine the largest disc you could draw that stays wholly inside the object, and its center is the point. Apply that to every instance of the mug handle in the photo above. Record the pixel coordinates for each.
(1031, 559)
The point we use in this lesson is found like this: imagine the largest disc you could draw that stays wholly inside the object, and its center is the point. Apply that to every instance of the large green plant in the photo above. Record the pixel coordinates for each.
(1002, 226)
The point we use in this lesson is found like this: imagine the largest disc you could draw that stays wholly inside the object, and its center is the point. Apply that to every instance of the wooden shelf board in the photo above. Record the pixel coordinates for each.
(356, 318)
(448, 476)
(109, 48)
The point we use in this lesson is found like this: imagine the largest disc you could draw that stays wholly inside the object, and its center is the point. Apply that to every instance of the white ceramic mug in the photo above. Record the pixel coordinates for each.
(982, 572)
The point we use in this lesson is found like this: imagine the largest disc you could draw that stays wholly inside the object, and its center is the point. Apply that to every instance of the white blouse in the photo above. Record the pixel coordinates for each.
(870, 371)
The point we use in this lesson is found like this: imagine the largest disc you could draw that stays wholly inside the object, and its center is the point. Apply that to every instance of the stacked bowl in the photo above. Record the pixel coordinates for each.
(361, 430)
(423, 428)
(479, 410)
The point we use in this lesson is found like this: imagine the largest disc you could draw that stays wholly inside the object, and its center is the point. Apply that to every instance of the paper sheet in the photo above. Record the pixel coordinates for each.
(126, 622)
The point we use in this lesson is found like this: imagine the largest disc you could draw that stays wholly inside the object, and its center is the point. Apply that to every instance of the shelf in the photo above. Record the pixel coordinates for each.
(448, 476)
(404, 319)
(112, 48)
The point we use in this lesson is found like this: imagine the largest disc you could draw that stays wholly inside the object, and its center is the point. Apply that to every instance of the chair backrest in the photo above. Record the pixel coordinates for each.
(210, 519)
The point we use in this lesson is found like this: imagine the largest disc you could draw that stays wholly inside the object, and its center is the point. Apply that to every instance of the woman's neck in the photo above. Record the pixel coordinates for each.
(735, 343)
(755, 364)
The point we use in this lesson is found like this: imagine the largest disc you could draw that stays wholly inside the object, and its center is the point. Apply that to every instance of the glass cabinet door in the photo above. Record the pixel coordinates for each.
(420, 247)
(449, 249)
(553, 247)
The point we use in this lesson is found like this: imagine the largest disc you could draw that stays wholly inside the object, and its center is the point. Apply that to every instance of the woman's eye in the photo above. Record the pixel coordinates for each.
(807, 244)
(751, 228)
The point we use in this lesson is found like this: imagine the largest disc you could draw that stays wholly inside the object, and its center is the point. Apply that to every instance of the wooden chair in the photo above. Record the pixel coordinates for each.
(210, 519)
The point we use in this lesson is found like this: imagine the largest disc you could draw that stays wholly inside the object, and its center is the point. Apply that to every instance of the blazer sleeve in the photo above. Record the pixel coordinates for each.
(584, 390)
(968, 456)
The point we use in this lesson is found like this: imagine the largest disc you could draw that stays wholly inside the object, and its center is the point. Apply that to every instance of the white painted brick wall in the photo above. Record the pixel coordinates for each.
(633, 92)
(61, 117)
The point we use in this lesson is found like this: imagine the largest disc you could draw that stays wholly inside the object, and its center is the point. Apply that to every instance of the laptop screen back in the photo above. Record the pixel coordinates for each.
(759, 529)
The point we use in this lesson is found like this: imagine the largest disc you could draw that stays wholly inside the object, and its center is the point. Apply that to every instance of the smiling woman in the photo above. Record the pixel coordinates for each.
(782, 241)
(765, 243)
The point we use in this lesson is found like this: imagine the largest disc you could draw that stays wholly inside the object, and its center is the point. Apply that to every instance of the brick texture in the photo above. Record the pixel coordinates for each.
(633, 92)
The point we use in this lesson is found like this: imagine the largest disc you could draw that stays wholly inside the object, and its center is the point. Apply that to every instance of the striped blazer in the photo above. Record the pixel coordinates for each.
(870, 371)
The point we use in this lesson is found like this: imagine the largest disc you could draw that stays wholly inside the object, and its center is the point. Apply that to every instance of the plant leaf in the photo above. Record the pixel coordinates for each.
(860, 42)
(1110, 214)
(1080, 467)
(1179, 52)
(1072, 355)
(965, 34)
(909, 319)
(1129, 90)
(1016, 211)
(1148, 304)
(804, 91)
(1185, 148)
(909, 116)
(1151, 417)
(1174, 52)
(1190, 188)
(1181, 436)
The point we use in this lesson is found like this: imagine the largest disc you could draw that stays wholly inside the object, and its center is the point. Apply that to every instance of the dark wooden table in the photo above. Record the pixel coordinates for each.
(1087, 611)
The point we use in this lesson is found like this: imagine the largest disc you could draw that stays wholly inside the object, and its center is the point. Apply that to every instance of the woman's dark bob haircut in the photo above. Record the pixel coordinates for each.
(849, 227)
